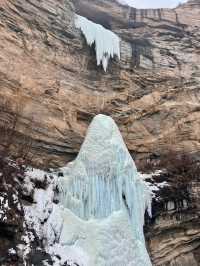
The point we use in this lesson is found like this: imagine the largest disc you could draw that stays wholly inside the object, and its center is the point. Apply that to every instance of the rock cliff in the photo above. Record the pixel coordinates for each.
(50, 78)
(51, 88)
(173, 234)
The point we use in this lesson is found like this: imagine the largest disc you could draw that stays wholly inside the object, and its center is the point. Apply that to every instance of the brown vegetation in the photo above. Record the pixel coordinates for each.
(180, 167)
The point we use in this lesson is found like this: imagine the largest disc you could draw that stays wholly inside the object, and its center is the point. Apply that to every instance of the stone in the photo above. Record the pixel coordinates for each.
(50, 79)
(51, 88)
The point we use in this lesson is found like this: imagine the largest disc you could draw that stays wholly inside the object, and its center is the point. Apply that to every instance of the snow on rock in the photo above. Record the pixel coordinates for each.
(12, 251)
(3, 206)
(105, 199)
(73, 255)
(54, 225)
(36, 174)
(46, 219)
(38, 213)
(149, 180)
(32, 177)
(107, 43)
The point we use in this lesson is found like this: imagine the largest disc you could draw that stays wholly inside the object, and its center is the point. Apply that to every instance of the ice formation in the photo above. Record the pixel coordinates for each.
(99, 219)
(107, 43)
(104, 200)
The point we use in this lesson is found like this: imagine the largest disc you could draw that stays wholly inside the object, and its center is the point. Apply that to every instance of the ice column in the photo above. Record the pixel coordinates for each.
(102, 184)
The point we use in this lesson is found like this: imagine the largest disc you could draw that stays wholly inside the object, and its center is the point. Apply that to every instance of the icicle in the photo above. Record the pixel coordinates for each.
(107, 43)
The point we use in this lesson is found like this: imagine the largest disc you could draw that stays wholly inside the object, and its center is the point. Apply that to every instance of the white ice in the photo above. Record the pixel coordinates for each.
(105, 200)
(107, 43)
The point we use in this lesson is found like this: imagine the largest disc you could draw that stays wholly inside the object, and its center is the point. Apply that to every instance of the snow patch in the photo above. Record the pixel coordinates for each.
(152, 184)
(4, 206)
(36, 174)
(73, 255)
(12, 251)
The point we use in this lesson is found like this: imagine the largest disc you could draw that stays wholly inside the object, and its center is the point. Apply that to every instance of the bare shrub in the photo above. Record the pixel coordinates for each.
(180, 167)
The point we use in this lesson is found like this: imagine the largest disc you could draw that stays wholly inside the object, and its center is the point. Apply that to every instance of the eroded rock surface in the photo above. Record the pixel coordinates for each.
(49, 76)
(173, 233)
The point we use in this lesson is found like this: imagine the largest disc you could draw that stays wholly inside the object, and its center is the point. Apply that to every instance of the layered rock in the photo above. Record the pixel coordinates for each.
(50, 82)
(173, 235)
(49, 76)
(12, 225)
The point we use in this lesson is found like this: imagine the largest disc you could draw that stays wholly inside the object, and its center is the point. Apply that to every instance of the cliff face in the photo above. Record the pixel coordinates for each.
(173, 234)
(49, 76)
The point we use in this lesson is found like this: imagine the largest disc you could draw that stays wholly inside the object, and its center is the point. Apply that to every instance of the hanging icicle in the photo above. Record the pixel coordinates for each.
(107, 43)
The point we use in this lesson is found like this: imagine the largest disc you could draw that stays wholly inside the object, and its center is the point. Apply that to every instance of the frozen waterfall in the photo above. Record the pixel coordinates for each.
(104, 200)
(107, 43)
